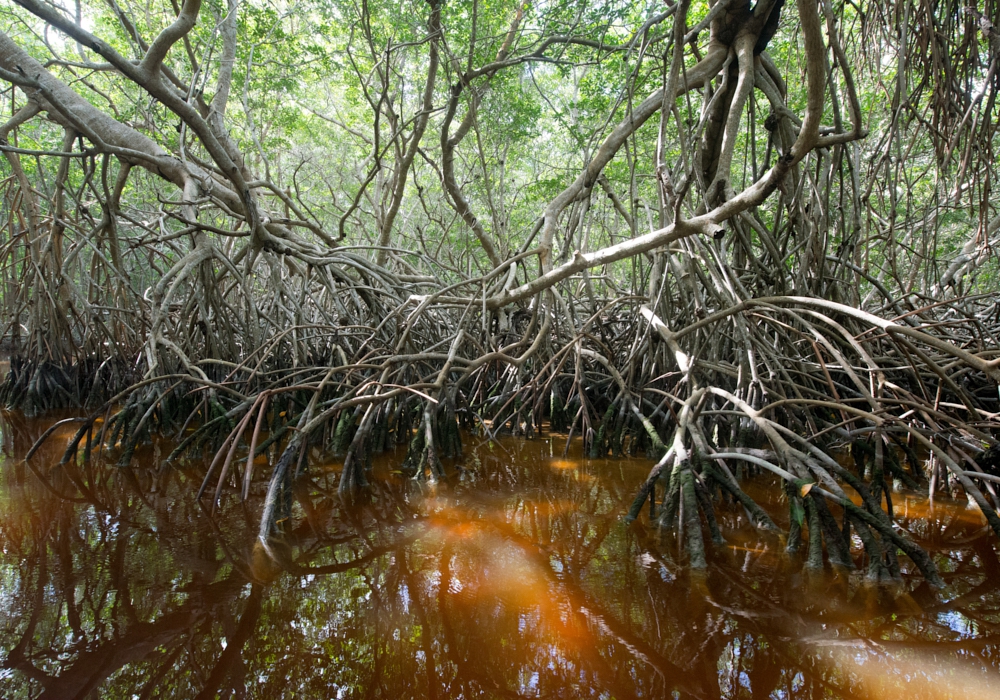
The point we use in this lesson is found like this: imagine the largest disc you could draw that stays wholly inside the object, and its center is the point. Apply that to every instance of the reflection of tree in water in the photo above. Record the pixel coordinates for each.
(516, 579)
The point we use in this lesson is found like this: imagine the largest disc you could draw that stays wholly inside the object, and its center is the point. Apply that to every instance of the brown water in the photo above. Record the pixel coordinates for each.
(516, 580)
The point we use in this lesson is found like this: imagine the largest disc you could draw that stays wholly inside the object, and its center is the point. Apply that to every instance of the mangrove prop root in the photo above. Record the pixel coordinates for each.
(647, 296)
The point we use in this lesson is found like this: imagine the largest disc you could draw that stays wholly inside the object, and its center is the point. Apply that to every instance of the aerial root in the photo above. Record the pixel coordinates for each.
(742, 402)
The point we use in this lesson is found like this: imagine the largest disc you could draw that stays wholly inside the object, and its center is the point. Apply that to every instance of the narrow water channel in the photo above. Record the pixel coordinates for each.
(517, 579)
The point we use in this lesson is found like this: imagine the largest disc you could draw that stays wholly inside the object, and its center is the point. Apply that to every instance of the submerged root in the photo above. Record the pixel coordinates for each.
(750, 331)
(737, 389)
(422, 460)
(726, 429)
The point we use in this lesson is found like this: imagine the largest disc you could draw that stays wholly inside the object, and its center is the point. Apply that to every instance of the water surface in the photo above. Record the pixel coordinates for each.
(515, 579)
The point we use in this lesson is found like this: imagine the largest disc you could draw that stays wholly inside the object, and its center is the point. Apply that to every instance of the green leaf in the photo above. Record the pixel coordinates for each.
(798, 513)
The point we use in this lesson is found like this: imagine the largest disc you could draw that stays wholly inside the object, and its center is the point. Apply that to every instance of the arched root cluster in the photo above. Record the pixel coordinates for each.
(783, 386)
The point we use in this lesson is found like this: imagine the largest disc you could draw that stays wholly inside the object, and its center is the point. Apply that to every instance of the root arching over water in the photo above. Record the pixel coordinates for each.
(743, 333)
(784, 385)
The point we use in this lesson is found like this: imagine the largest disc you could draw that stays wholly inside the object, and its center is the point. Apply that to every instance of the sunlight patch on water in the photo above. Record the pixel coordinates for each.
(913, 675)
(516, 574)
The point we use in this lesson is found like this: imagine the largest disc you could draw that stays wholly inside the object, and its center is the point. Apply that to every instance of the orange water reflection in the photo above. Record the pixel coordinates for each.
(515, 578)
